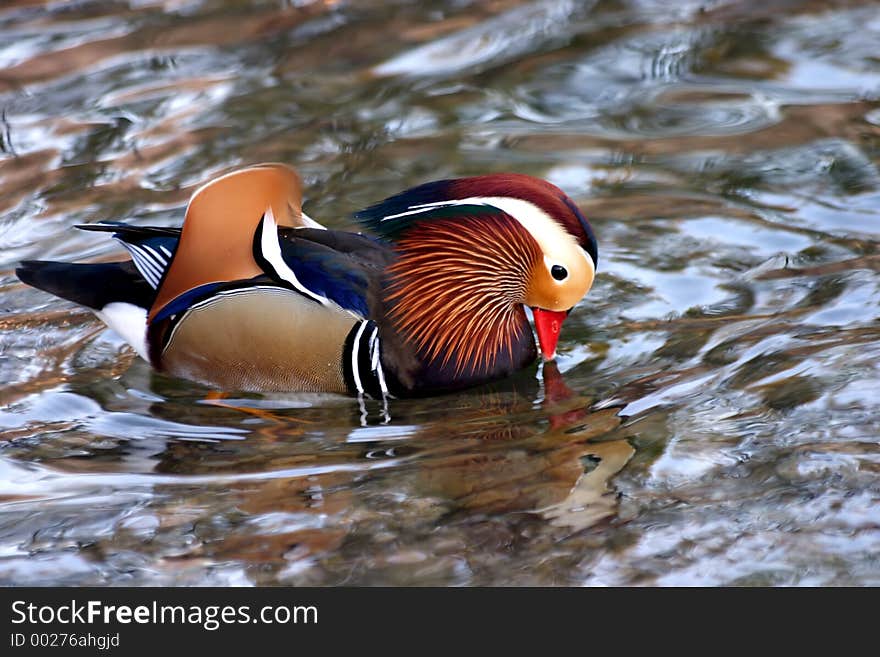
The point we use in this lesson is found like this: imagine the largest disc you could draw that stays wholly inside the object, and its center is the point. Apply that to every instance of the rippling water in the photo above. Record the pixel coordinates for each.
(714, 415)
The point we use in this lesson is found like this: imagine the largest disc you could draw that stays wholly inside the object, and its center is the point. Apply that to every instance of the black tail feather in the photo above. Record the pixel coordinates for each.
(90, 285)
(125, 230)
(151, 247)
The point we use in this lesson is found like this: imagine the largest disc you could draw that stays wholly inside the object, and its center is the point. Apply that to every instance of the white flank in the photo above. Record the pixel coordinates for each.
(129, 321)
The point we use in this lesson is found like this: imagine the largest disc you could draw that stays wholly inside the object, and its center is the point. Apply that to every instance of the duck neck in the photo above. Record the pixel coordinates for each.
(453, 300)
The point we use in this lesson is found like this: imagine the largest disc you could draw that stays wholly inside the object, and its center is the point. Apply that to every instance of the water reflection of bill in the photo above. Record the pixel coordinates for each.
(561, 472)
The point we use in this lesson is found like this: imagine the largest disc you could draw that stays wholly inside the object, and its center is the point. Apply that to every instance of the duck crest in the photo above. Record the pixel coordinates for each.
(397, 214)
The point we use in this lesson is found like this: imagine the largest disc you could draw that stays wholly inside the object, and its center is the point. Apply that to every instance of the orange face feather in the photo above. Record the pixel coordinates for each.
(458, 286)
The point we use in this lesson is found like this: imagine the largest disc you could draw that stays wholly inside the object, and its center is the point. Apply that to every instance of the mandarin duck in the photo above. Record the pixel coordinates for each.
(252, 294)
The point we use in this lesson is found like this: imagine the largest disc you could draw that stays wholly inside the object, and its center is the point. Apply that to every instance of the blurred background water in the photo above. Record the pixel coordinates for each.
(713, 418)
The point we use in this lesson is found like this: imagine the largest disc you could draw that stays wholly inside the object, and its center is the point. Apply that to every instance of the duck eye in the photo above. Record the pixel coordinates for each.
(559, 272)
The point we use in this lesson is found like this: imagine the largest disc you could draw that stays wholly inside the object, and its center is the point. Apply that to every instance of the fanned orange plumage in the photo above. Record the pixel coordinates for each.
(458, 285)
(218, 230)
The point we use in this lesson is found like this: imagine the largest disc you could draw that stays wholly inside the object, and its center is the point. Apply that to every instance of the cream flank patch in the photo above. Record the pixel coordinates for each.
(556, 242)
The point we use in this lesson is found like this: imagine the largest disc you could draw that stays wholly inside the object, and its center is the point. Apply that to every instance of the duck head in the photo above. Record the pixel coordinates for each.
(472, 254)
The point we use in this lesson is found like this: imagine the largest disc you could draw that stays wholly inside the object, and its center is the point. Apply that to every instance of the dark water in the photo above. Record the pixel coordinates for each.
(714, 417)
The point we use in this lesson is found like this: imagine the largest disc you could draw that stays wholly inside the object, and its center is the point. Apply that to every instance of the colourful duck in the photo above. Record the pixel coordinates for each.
(252, 294)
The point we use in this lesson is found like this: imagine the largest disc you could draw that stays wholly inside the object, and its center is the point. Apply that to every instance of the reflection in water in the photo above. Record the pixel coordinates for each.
(715, 420)
(499, 467)
(273, 500)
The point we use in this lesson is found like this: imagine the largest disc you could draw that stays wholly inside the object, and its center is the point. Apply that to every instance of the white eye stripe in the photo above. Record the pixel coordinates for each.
(525, 212)
(544, 229)
(552, 238)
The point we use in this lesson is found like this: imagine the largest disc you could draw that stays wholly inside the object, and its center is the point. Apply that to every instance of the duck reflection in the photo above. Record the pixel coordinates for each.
(490, 453)
(560, 470)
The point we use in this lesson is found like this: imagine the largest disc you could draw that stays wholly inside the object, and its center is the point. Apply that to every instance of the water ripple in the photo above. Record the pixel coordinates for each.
(712, 416)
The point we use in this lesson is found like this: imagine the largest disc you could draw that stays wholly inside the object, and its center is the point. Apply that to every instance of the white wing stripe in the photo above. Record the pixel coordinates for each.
(148, 262)
(155, 256)
(143, 269)
(148, 269)
(271, 251)
(149, 252)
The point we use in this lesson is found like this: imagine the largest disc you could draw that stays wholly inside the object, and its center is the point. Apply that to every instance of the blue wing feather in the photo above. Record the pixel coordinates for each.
(333, 264)
(342, 277)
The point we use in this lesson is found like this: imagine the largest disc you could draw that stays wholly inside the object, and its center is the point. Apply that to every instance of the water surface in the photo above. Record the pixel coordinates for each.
(713, 415)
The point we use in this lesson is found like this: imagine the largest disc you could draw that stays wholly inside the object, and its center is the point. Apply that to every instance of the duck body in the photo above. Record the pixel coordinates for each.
(251, 294)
